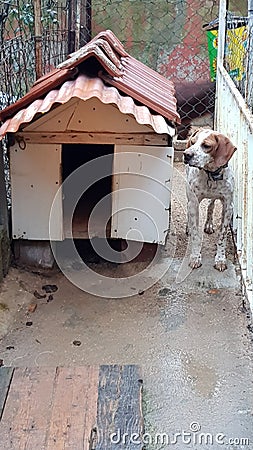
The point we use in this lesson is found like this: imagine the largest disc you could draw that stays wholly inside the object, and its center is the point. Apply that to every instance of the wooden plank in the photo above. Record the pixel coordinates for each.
(73, 413)
(81, 137)
(5, 380)
(27, 410)
(119, 416)
(50, 408)
(72, 408)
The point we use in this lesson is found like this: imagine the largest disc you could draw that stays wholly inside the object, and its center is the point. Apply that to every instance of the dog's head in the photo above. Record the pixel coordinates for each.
(208, 149)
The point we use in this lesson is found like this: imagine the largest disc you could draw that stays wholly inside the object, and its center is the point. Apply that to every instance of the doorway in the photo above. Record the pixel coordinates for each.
(73, 157)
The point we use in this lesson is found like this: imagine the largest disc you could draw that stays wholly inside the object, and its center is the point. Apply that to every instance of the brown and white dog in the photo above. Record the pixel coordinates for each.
(208, 175)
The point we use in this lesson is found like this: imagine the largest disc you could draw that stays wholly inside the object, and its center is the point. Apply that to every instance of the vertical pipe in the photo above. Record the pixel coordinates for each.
(71, 26)
(85, 22)
(78, 24)
(249, 87)
(220, 56)
(88, 20)
(222, 32)
(38, 38)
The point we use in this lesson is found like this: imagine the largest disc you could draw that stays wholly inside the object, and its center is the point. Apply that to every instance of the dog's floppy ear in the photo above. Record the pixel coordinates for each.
(225, 150)
(189, 141)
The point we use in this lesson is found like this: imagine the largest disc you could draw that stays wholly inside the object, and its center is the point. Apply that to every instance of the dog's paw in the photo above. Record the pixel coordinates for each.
(195, 262)
(220, 265)
(209, 229)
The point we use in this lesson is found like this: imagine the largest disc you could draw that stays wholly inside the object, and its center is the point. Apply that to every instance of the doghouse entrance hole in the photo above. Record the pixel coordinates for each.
(73, 157)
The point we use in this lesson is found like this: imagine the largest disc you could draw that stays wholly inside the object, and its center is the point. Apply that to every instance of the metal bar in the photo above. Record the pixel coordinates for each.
(71, 26)
(88, 20)
(249, 87)
(222, 31)
(38, 38)
(78, 24)
(221, 53)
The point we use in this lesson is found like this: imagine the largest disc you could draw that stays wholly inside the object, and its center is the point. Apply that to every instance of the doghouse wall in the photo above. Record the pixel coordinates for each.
(87, 116)
(35, 180)
(141, 185)
(36, 163)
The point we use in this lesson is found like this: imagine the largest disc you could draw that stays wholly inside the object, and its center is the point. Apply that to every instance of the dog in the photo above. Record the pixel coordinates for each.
(208, 176)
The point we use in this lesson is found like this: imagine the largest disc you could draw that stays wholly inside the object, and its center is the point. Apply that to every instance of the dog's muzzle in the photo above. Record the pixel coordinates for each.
(187, 157)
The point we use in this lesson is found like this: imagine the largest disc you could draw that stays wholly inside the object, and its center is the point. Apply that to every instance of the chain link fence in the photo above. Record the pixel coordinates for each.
(167, 35)
(238, 51)
(238, 58)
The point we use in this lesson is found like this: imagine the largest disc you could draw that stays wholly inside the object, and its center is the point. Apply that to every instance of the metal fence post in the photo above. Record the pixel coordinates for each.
(38, 38)
(220, 55)
(249, 86)
(79, 24)
(71, 26)
(86, 11)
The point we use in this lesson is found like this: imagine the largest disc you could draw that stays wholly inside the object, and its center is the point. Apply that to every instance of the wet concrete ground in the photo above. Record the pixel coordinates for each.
(188, 331)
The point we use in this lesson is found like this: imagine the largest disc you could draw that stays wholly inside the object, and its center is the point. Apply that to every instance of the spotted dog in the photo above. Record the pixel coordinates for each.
(208, 175)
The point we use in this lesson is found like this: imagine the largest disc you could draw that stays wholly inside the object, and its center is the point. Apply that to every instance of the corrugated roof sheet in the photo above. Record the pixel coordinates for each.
(84, 87)
(117, 68)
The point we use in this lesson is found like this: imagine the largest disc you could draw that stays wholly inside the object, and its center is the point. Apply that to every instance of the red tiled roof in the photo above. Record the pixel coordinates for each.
(85, 88)
(117, 68)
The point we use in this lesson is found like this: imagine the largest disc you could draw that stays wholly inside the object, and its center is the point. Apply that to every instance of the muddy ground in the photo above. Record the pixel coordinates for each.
(190, 333)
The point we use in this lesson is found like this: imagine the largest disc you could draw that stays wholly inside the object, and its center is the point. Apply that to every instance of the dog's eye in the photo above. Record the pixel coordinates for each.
(207, 146)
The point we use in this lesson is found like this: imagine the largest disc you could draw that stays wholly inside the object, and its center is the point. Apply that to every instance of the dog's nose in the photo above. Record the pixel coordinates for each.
(187, 157)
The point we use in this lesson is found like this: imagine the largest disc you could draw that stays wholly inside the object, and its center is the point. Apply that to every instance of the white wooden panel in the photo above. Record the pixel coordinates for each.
(91, 115)
(141, 193)
(94, 116)
(55, 120)
(234, 119)
(249, 201)
(35, 179)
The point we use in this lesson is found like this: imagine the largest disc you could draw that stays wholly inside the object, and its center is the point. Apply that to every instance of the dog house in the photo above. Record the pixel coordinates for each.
(101, 104)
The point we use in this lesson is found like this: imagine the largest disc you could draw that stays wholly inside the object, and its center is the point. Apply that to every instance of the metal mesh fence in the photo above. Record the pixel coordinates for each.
(167, 35)
(238, 59)
(19, 39)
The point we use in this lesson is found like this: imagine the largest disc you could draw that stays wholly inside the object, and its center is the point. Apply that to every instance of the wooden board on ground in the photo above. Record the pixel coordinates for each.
(72, 408)
(119, 417)
(5, 379)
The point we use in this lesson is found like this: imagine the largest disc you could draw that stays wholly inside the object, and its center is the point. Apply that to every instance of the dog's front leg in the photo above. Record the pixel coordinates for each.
(209, 220)
(193, 227)
(220, 258)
